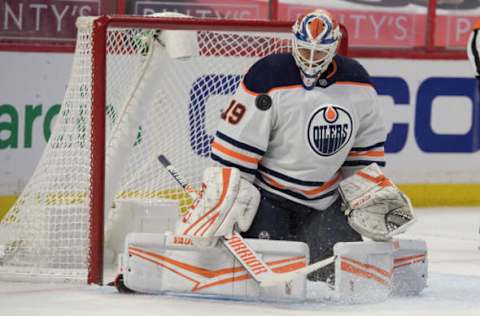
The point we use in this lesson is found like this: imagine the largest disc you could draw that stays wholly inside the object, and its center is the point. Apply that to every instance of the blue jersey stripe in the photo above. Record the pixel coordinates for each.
(290, 179)
(238, 144)
(232, 164)
(354, 163)
(296, 194)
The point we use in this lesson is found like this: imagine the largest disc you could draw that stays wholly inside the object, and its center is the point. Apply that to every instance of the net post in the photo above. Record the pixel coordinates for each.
(97, 179)
(343, 48)
(273, 10)
(430, 27)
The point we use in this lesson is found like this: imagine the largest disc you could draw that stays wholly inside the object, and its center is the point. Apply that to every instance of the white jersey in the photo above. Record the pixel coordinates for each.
(299, 143)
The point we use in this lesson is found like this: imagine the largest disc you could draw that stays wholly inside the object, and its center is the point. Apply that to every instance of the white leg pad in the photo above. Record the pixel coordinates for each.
(158, 263)
(372, 271)
(363, 271)
(410, 271)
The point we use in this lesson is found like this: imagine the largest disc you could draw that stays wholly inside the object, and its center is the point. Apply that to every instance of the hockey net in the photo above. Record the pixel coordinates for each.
(139, 87)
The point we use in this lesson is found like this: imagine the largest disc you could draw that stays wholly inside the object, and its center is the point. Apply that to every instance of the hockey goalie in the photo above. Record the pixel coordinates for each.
(296, 193)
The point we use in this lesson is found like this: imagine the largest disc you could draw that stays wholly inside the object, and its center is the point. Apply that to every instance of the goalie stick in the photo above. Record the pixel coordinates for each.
(239, 248)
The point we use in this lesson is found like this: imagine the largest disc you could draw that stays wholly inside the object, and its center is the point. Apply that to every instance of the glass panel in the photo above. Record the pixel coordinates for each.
(454, 21)
(382, 23)
(221, 9)
(46, 21)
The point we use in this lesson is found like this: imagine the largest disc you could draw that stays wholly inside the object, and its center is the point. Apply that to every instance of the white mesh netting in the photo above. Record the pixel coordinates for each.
(155, 105)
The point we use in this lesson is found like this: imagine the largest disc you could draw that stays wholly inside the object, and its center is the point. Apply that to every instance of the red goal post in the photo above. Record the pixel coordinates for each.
(126, 89)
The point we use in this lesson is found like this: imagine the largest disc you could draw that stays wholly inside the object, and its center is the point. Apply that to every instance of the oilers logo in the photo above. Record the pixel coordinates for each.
(329, 129)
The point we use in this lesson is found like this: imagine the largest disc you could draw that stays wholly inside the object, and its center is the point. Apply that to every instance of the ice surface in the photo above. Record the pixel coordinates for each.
(454, 286)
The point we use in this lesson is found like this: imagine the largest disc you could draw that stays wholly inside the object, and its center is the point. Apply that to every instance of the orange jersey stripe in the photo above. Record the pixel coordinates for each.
(323, 187)
(294, 86)
(372, 153)
(352, 83)
(234, 154)
(273, 182)
(310, 192)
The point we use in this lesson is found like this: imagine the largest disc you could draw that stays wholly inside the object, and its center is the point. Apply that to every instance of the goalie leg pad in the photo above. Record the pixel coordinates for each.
(410, 271)
(371, 271)
(158, 263)
(363, 271)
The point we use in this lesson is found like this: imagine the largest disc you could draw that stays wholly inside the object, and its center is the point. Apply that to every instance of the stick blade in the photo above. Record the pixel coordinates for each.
(164, 161)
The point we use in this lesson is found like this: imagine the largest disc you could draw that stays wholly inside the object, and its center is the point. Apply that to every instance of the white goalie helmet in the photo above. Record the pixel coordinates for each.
(316, 37)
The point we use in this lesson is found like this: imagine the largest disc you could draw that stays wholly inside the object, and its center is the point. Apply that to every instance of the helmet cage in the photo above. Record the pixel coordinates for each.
(315, 63)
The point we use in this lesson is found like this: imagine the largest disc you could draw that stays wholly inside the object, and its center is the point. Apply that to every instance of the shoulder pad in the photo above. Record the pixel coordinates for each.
(349, 69)
(272, 71)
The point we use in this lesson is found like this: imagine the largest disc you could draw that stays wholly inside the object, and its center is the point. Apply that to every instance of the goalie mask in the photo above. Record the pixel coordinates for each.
(315, 40)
